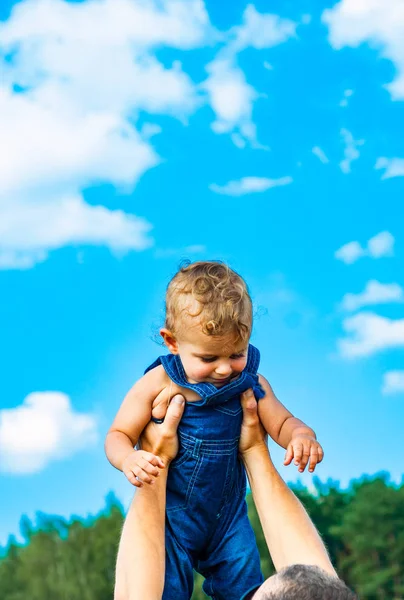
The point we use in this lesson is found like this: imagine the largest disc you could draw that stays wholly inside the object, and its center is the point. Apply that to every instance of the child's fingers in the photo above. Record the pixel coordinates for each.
(149, 466)
(320, 454)
(314, 458)
(152, 459)
(305, 458)
(132, 478)
(288, 455)
(298, 452)
(143, 475)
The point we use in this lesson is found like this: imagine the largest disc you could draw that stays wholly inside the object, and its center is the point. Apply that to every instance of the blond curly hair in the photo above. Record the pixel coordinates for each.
(213, 293)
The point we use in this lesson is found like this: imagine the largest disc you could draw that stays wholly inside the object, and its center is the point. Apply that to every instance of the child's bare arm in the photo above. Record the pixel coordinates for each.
(132, 417)
(288, 431)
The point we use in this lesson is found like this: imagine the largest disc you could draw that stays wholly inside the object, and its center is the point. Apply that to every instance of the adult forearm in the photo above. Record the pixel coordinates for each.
(141, 555)
(117, 447)
(290, 535)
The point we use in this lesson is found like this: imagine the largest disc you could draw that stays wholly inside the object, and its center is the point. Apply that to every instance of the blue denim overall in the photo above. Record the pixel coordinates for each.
(207, 527)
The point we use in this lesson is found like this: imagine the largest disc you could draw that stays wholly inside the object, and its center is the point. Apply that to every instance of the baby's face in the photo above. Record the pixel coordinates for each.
(211, 359)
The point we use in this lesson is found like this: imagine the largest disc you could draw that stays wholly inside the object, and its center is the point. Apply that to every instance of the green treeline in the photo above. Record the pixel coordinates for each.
(363, 528)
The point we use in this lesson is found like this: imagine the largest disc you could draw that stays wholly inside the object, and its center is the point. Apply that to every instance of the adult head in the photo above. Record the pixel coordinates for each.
(303, 582)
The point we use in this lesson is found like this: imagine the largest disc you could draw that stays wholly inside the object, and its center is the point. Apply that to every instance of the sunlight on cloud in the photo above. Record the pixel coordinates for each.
(379, 246)
(393, 382)
(393, 167)
(368, 333)
(249, 185)
(380, 23)
(43, 429)
(374, 293)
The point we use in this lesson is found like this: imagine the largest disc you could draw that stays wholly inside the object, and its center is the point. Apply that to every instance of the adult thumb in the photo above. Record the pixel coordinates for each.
(249, 405)
(174, 412)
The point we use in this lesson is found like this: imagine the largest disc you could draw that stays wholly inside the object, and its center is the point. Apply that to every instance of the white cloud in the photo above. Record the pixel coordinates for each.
(261, 30)
(43, 429)
(374, 293)
(393, 167)
(317, 151)
(231, 96)
(393, 382)
(381, 245)
(368, 333)
(351, 151)
(249, 185)
(86, 70)
(347, 94)
(377, 22)
(349, 253)
(28, 231)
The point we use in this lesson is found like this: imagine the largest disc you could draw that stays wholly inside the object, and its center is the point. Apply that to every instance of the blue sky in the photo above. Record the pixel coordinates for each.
(138, 134)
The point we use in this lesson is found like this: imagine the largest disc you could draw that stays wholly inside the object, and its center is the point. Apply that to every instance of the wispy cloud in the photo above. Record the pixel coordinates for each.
(393, 167)
(368, 333)
(43, 429)
(347, 94)
(317, 151)
(393, 383)
(261, 30)
(231, 96)
(249, 185)
(351, 151)
(374, 293)
(381, 245)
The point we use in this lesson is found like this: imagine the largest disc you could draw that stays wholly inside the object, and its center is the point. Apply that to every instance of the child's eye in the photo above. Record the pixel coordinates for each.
(208, 360)
(235, 356)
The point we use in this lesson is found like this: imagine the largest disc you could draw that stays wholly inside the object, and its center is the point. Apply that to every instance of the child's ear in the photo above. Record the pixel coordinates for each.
(169, 340)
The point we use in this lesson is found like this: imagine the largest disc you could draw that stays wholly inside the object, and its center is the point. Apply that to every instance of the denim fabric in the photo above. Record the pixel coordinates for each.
(207, 527)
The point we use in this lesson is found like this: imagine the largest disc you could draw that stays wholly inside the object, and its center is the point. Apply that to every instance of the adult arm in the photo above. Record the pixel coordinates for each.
(290, 534)
(140, 568)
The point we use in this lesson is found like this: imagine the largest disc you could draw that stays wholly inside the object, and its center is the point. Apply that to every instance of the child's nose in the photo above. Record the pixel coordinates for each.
(224, 369)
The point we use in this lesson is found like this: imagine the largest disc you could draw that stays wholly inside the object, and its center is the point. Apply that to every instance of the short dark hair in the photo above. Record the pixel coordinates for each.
(307, 582)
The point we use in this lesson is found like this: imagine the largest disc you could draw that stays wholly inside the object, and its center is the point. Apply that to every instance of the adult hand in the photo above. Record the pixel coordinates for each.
(252, 432)
(161, 439)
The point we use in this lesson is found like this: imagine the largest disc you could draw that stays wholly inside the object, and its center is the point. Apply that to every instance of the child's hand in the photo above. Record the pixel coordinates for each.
(141, 467)
(305, 449)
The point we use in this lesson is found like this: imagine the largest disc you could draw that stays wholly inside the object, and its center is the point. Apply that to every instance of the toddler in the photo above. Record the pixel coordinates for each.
(207, 330)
